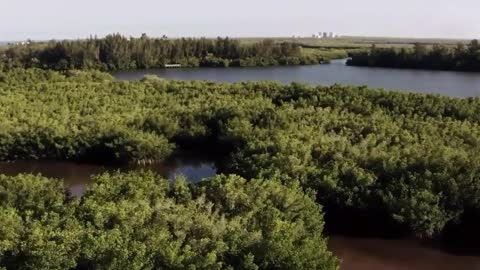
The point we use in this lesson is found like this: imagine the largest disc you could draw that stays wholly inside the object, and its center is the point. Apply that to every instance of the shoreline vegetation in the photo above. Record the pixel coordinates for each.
(462, 57)
(400, 163)
(116, 52)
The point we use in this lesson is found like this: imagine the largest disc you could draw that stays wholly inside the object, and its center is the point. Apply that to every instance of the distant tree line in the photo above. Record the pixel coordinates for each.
(116, 52)
(463, 57)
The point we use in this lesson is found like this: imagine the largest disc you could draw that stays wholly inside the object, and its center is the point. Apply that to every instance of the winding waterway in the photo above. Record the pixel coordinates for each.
(450, 83)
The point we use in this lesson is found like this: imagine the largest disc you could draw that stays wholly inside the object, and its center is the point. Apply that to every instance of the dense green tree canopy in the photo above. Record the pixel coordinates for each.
(140, 221)
(116, 52)
(38, 227)
(412, 158)
(439, 57)
(356, 147)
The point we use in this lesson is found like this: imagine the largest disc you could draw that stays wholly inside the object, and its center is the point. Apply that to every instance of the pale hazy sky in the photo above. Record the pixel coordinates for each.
(47, 19)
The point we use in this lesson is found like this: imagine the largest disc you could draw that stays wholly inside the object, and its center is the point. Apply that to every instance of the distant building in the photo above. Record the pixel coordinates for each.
(28, 42)
(326, 35)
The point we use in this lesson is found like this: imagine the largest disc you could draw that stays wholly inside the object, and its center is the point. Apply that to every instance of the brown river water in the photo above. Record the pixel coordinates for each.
(401, 254)
(77, 176)
(354, 253)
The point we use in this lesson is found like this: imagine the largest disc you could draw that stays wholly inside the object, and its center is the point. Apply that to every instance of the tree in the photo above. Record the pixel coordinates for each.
(420, 50)
(38, 229)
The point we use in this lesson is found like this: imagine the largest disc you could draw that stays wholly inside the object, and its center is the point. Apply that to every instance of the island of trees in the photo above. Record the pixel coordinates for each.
(463, 57)
(116, 52)
(296, 155)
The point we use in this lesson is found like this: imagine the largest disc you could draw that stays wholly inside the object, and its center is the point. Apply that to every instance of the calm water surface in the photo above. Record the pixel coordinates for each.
(355, 253)
(77, 175)
(382, 254)
(458, 84)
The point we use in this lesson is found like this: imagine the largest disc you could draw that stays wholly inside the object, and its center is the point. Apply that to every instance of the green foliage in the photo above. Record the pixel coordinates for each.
(38, 229)
(412, 157)
(439, 57)
(140, 221)
(325, 54)
(116, 52)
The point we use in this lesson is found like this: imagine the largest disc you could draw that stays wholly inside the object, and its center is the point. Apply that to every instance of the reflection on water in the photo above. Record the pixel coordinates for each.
(193, 167)
(382, 254)
(193, 172)
(78, 175)
(450, 83)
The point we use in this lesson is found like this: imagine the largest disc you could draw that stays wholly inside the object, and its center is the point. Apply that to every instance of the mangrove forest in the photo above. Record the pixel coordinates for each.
(297, 160)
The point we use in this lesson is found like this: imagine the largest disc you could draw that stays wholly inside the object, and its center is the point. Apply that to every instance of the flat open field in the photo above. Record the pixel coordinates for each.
(353, 42)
